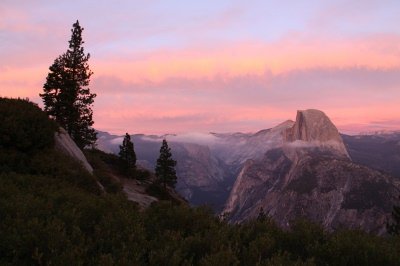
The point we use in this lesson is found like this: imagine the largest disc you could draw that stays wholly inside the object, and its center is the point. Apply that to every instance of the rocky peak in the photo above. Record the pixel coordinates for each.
(313, 127)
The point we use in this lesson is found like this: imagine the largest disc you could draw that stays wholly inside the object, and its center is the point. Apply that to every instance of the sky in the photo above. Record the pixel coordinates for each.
(214, 65)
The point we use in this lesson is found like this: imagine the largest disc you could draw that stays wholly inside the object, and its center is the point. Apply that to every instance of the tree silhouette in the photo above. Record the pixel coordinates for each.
(165, 168)
(127, 153)
(66, 95)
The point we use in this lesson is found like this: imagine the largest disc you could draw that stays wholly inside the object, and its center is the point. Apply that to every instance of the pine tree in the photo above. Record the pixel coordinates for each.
(67, 97)
(127, 153)
(394, 227)
(165, 168)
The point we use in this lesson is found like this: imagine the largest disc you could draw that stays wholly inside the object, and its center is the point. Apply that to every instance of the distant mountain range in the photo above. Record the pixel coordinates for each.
(298, 168)
(380, 151)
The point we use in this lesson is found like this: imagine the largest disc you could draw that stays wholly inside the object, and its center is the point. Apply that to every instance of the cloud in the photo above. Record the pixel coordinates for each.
(199, 138)
(250, 102)
(255, 58)
(170, 66)
(371, 126)
(356, 17)
(117, 140)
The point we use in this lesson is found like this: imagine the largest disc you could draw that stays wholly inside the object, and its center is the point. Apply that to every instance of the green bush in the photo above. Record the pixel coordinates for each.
(142, 174)
(352, 247)
(24, 126)
(104, 166)
(48, 221)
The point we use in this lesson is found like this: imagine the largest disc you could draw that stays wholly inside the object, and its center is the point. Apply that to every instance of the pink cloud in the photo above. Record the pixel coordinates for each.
(251, 102)
(228, 87)
(378, 51)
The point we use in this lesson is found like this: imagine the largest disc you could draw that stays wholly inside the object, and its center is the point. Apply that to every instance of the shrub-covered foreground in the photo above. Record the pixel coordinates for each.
(52, 212)
(48, 221)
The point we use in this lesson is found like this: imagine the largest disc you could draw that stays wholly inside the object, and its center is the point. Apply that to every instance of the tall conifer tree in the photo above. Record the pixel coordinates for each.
(127, 153)
(66, 95)
(165, 168)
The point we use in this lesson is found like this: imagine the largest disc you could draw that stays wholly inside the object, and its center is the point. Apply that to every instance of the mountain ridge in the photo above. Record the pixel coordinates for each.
(233, 150)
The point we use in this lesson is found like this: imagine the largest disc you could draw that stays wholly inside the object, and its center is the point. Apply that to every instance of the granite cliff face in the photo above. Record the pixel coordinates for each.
(65, 144)
(312, 125)
(314, 128)
(312, 176)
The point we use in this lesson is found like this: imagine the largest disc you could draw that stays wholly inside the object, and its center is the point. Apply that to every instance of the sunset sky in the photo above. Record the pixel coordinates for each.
(222, 66)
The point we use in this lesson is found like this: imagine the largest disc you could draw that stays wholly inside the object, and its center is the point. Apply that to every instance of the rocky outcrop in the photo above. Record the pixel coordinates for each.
(136, 192)
(65, 144)
(314, 128)
(312, 125)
